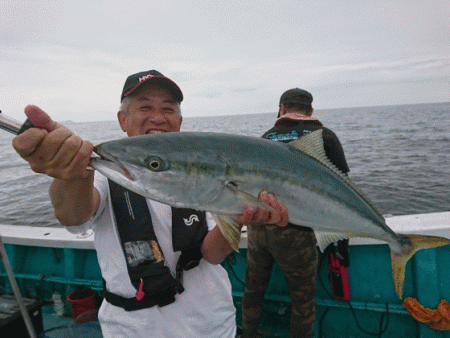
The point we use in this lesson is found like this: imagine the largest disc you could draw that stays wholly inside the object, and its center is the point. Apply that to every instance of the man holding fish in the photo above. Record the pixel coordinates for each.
(150, 255)
(223, 174)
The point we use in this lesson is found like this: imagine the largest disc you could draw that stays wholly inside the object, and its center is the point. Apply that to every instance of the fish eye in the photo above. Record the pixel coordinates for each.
(155, 164)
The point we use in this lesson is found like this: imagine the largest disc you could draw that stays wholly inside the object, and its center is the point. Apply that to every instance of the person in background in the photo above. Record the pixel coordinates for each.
(141, 255)
(292, 247)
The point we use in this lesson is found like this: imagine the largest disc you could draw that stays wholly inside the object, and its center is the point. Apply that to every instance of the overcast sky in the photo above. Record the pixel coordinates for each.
(71, 58)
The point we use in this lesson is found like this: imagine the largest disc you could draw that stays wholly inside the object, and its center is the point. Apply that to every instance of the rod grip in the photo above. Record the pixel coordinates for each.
(25, 126)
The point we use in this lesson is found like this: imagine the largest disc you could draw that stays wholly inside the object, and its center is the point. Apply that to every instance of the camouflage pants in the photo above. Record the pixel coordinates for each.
(294, 250)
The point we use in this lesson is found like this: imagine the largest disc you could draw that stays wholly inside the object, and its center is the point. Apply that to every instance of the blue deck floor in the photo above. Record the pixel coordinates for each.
(65, 326)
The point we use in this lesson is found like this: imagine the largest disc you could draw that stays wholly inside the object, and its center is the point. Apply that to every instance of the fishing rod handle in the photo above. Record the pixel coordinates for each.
(25, 126)
(13, 126)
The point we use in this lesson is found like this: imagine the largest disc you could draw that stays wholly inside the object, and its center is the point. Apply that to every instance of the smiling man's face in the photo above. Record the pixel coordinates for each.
(150, 110)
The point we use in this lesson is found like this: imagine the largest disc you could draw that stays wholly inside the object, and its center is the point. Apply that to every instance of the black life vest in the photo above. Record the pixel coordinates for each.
(153, 281)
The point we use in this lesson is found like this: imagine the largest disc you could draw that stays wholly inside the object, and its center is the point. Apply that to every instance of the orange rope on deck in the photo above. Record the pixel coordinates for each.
(438, 319)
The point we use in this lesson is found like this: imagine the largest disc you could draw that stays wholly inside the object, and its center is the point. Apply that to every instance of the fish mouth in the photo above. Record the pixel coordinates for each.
(110, 162)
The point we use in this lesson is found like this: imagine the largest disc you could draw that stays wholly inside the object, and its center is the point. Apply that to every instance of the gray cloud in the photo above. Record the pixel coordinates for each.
(236, 56)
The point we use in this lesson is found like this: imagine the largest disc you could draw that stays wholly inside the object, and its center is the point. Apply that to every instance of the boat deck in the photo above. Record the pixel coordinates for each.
(65, 326)
(67, 262)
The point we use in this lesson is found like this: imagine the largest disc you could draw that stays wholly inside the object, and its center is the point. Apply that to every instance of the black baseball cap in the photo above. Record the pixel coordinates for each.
(296, 95)
(134, 81)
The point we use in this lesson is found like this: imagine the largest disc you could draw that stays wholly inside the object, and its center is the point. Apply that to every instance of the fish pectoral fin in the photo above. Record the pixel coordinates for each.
(230, 228)
(326, 238)
(246, 198)
(399, 261)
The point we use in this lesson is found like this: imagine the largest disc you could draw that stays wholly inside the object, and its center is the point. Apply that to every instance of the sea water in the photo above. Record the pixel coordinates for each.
(398, 155)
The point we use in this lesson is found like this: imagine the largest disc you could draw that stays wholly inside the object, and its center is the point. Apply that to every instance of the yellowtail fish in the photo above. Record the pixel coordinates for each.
(223, 173)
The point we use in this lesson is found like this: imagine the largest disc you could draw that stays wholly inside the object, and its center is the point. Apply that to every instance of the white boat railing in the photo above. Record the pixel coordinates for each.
(435, 224)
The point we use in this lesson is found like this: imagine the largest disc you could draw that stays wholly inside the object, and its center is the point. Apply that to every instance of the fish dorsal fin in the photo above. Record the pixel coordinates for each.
(312, 145)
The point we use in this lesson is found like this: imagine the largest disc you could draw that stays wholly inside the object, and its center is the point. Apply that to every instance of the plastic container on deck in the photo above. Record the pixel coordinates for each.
(83, 303)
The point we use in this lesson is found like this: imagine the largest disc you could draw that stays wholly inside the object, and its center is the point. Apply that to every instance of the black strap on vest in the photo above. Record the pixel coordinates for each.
(145, 260)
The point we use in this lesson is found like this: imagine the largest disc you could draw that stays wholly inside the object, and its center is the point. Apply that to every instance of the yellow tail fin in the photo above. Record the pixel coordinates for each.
(399, 260)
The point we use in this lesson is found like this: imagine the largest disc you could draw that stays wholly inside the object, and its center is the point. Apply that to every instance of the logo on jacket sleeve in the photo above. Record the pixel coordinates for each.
(191, 220)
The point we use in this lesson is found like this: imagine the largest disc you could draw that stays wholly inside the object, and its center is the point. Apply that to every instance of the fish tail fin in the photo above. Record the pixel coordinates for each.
(399, 260)
(230, 228)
